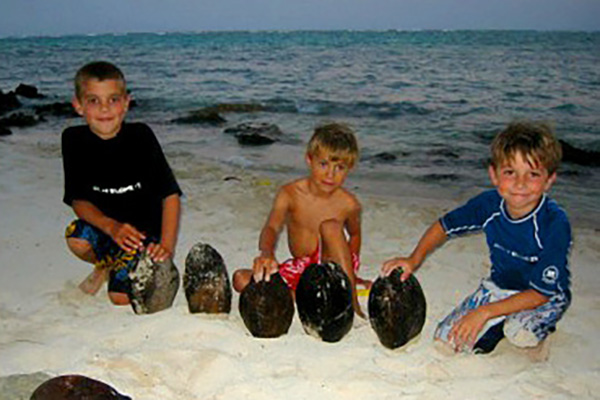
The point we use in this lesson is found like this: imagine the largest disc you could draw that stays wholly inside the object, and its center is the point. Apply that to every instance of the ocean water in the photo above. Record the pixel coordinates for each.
(433, 99)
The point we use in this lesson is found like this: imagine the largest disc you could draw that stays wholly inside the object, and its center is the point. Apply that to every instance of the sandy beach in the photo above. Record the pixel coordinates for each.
(49, 328)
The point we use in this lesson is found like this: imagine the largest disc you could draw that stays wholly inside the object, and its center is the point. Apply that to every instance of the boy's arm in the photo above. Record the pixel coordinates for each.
(265, 264)
(123, 234)
(169, 229)
(434, 237)
(353, 227)
(465, 331)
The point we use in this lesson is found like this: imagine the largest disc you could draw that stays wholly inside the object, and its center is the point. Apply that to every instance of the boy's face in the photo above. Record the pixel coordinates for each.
(521, 183)
(327, 174)
(103, 105)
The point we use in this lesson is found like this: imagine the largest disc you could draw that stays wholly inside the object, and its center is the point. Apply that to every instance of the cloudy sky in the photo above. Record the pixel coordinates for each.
(56, 17)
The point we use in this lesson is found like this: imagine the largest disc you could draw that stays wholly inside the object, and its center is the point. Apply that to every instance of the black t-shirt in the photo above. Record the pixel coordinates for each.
(126, 177)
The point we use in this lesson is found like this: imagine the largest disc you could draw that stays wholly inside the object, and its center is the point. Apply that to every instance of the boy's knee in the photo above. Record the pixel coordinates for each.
(82, 249)
(240, 279)
(118, 299)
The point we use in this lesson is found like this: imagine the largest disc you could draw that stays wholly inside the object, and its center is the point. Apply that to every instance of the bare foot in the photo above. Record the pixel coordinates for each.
(93, 282)
(539, 353)
(118, 299)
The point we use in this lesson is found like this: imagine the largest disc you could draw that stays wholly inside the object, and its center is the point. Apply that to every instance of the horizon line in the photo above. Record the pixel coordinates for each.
(211, 31)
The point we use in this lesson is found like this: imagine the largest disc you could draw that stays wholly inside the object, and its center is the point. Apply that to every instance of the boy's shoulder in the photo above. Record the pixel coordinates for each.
(77, 129)
(555, 214)
(490, 196)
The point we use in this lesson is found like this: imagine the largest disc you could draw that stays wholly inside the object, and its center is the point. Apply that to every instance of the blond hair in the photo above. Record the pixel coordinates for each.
(100, 70)
(535, 141)
(336, 139)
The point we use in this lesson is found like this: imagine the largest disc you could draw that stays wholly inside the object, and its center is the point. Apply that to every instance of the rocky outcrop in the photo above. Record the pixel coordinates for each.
(578, 156)
(58, 109)
(203, 116)
(8, 102)
(19, 120)
(28, 91)
(255, 134)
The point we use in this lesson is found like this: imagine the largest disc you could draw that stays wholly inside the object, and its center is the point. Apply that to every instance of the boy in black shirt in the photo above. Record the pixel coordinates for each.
(118, 182)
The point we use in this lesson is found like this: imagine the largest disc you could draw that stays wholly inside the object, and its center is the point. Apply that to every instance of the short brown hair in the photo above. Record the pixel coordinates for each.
(100, 70)
(534, 140)
(337, 139)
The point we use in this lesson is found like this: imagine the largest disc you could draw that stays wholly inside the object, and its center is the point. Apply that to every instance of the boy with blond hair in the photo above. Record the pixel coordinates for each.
(118, 182)
(529, 238)
(322, 218)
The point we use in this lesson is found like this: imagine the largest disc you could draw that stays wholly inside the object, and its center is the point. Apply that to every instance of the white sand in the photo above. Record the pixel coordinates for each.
(47, 325)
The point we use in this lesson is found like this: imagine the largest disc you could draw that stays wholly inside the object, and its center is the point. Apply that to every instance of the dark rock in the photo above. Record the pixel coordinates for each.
(206, 282)
(28, 91)
(153, 285)
(440, 177)
(5, 131)
(444, 153)
(385, 157)
(59, 109)
(203, 116)
(19, 120)
(267, 308)
(324, 299)
(8, 102)
(578, 156)
(76, 387)
(396, 309)
(255, 134)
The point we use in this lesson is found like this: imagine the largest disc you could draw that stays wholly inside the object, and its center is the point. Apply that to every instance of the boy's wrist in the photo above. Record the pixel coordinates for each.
(415, 261)
(109, 226)
(486, 312)
(267, 254)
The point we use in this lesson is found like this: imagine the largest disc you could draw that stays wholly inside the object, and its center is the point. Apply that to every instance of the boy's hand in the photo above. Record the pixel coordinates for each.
(263, 267)
(408, 267)
(127, 237)
(158, 252)
(465, 331)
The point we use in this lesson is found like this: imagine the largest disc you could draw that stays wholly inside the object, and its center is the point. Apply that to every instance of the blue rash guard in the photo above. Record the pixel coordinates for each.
(528, 253)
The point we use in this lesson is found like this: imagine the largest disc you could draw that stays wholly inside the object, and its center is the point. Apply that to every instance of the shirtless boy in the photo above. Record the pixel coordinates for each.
(322, 218)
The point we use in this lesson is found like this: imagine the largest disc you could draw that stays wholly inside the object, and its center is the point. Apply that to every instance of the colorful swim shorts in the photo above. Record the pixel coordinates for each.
(108, 254)
(291, 269)
(523, 329)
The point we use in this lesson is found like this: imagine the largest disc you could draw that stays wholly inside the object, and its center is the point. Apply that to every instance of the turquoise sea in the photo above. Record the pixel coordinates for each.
(430, 100)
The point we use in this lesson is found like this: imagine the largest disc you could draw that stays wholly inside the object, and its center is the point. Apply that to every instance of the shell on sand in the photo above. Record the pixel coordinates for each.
(153, 285)
(324, 299)
(267, 308)
(76, 387)
(396, 309)
(206, 282)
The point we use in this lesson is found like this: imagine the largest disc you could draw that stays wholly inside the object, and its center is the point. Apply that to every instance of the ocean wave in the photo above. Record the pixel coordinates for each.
(347, 109)
(566, 107)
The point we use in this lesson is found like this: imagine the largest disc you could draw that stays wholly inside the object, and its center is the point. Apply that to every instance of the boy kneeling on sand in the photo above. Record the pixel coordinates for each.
(529, 238)
(118, 182)
(322, 218)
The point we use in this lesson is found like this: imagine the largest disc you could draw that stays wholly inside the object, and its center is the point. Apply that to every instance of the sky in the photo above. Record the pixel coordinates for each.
(60, 17)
